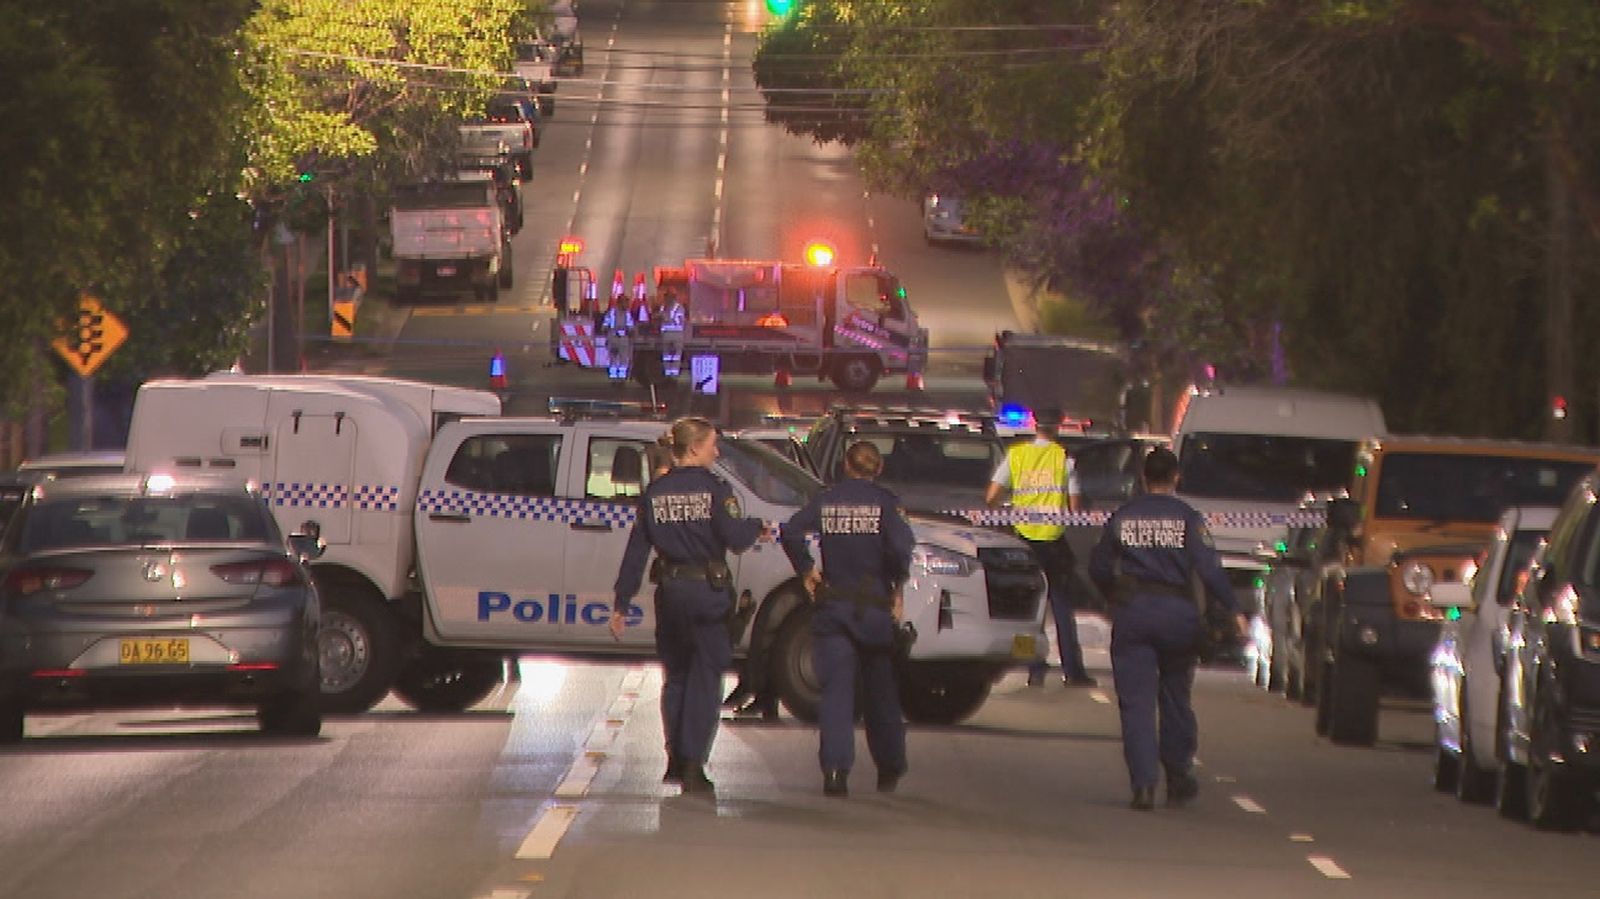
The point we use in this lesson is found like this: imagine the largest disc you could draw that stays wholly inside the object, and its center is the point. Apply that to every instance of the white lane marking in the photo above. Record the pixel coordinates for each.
(1249, 805)
(633, 681)
(722, 162)
(718, 189)
(1097, 695)
(551, 827)
(576, 784)
(1328, 867)
(508, 894)
(1302, 838)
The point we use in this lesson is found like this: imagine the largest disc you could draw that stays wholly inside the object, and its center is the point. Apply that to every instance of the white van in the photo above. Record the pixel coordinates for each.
(1255, 454)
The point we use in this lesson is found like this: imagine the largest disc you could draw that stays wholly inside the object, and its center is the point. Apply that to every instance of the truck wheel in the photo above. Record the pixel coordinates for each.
(1353, 688)
(443, 681)
(1446, 768)
(506, 275)
(794, 672)
(931, 693)
(358, 647)
(1324, 703)
(297, 713)
(856, 374)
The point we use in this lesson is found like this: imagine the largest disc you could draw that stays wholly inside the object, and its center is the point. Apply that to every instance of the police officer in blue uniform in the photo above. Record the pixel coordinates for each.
(866, 552)
(1154, 553)
(691, 518)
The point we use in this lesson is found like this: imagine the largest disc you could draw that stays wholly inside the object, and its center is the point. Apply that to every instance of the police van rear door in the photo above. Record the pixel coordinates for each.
(491, 533)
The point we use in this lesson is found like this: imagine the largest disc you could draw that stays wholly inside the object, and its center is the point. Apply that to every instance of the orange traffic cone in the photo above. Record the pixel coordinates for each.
(913, 380)
(781, 379)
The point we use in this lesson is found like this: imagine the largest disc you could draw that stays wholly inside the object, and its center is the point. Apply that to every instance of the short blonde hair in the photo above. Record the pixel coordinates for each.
(685, 434)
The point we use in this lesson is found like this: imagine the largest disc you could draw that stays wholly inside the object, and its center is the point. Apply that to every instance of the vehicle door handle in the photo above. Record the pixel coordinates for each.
(590, 526)
(451, 517)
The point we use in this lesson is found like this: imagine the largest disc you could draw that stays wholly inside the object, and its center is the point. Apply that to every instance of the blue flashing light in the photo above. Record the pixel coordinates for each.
(1014, 415)
(497, 366)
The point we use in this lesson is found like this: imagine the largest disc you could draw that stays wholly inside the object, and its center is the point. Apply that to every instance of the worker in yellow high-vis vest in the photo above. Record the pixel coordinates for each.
(1038, 473)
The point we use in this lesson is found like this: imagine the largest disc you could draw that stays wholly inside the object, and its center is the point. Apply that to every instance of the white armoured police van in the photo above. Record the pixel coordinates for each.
(515, 528)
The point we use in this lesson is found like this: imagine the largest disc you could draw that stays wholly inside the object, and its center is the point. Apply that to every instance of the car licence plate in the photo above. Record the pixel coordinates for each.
(446, 271)
(171, 651)
(1022, 646)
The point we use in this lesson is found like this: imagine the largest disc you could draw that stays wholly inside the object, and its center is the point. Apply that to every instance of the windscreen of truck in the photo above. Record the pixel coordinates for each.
(1263, 467)
(768, 475)
(1469, 487)
(443, 195)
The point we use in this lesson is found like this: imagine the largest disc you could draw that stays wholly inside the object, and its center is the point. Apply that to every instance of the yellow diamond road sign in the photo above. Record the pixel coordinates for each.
(96, 336)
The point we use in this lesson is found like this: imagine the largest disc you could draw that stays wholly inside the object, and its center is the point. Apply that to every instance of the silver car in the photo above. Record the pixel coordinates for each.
(121, 591)
(1468, 659)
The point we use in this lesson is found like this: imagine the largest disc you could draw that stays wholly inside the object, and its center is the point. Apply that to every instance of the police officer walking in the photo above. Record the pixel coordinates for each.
(691, 518)
(1153, 557)
(866, 553)
(1039, 475)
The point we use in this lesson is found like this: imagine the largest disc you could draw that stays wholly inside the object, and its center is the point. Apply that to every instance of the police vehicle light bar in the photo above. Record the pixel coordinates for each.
(572, 407)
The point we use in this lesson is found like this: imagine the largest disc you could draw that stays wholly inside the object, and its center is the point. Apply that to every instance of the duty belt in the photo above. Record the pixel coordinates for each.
(1145, 586)
(829, 593)
(698, 571)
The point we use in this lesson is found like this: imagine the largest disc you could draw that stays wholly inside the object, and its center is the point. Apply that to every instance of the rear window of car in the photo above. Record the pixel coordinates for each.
(83, 521)
(1470, 487)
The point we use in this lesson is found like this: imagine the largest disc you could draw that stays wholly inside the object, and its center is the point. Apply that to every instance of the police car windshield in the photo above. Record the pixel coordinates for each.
(1265, 467)
(768, 475)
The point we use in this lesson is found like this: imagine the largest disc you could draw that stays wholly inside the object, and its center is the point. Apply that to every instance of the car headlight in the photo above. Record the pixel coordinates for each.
(1417, 578)
(937, 560)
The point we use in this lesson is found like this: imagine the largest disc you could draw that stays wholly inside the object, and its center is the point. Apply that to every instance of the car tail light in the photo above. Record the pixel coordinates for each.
(271, 572)
(30, 579)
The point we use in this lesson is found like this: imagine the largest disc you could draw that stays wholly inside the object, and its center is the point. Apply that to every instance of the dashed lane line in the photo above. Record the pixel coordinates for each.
(547, 832)
(1328, 867)
(1100, 697)
(1249, 805)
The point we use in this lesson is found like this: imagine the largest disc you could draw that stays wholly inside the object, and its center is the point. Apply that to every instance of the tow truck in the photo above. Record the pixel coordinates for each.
(847, 324)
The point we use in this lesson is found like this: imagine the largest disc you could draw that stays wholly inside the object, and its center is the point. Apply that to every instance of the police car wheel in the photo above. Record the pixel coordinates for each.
(1556, 796)
(793, 670)
(358, 647)
(941, 694)
(440, 681)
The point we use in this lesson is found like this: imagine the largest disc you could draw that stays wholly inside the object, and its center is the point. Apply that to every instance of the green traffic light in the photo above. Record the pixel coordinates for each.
(305, 177)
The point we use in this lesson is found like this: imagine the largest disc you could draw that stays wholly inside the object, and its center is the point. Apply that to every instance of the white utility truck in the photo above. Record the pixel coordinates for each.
(449, 236)
(456, 541)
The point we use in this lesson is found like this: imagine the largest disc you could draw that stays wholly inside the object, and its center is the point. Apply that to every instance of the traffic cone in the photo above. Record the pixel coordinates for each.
(913, 380)
(640, 291)
(618, 289)
(781, 379)
(497, 371)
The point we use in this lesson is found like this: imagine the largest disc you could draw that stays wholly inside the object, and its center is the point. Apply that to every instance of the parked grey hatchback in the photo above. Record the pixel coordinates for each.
(137, 591)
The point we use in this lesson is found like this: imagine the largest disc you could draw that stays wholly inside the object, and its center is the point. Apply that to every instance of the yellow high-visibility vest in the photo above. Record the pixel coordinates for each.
(1038, 481)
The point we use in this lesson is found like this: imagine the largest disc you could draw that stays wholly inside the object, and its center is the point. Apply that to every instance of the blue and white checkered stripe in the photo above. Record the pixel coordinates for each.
(990, 517)
(525, 508)
(375, 498)
(365, 497)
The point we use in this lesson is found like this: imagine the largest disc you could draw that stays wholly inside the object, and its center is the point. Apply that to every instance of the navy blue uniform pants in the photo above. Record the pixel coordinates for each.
(1055, 557)
(692, 641)
(849, 641)
(1152, 664)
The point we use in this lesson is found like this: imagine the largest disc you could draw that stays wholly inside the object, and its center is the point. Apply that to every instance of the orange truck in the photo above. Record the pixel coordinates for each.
(1421, 510)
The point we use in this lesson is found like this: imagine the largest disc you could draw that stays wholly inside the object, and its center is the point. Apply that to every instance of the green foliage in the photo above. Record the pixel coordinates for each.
(120, 116)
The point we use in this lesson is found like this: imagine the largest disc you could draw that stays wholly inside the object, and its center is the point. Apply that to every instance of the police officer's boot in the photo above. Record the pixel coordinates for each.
(889, 778)
(695, 780)
(834, 783)
(674, 773)
(1144, 799)
(1182, 788)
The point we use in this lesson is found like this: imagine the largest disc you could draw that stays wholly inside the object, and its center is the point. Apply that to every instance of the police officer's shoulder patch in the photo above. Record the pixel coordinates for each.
(730, 505)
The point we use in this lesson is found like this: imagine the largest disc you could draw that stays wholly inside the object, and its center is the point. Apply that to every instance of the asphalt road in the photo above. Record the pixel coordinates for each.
(660, 153)
(551, 789)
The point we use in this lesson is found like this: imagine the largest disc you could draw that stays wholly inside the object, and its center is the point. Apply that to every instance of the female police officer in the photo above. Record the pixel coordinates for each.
(866, 552)
(690, 517)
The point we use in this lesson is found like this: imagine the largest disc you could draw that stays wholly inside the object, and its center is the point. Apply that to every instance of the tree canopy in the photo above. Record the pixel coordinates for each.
(1384, 196)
